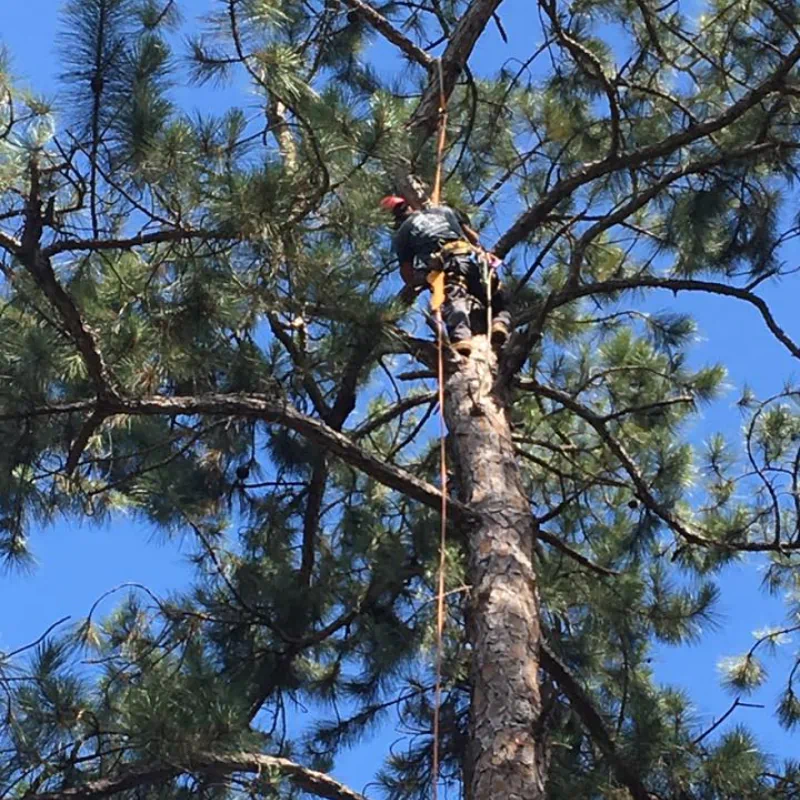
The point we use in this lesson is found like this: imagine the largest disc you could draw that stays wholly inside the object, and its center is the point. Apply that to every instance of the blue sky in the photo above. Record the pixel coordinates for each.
(77, 563)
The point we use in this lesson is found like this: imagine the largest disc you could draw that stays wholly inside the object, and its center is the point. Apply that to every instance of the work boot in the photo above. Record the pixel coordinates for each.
(500, 334)
(463, 347)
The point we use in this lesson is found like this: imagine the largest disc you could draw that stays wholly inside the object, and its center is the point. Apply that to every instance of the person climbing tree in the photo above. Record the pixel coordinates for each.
(439, 238)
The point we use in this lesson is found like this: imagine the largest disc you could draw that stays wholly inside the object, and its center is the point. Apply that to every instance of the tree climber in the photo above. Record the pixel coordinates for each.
(438, 238)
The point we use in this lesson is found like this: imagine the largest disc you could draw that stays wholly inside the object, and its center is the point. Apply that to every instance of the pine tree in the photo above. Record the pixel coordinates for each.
(200, 327)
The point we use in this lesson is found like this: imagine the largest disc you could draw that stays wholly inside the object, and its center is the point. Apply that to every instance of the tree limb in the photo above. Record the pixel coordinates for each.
(299, 360)
(270, 411)
(563, 547)
(642, 489)
(316, 431)
(49, 411)
(456, 54)
(10, 243)
(584, 707)
(94, 421)
(156, 237)
(390, 33)
(590, 64)
(677, 285)
(307, 780)
(311, 518)
(528, 221)
(41, 271)
(398, 409)
(641, 199)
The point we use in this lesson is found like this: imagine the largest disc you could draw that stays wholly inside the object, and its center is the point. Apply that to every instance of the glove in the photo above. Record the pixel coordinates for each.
(493, 261)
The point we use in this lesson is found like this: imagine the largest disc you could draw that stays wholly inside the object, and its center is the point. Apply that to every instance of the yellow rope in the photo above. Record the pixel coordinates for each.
(439, 296)
(442, 563)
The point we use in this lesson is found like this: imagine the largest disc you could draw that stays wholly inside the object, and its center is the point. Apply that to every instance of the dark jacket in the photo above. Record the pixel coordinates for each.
(424, 232)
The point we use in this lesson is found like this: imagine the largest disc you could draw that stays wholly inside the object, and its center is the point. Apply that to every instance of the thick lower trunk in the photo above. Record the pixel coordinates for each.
(504, 758)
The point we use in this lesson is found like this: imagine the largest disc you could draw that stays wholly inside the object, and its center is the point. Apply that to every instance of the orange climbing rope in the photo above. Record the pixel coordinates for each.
(436, 303)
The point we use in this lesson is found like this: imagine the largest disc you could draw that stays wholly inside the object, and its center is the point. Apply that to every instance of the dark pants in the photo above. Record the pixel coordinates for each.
(464, 309)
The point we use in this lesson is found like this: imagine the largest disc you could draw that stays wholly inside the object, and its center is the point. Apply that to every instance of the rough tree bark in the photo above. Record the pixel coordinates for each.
(504, 759)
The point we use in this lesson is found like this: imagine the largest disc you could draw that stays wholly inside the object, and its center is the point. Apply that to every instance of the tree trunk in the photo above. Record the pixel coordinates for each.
(505, 760)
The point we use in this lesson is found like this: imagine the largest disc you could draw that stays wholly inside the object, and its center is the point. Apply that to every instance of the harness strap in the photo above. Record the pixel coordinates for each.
(436, 277)
(458, 247)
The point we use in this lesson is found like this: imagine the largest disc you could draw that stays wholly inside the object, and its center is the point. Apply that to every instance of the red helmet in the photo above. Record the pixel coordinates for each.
(393, 203)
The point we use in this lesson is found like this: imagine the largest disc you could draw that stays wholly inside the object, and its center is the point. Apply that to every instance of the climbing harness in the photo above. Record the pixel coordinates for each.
(437, 275)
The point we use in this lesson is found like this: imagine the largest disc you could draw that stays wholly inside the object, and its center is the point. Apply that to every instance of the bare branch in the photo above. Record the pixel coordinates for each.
(711, 728)
(398, 409)
(7, 656)
(581, 559)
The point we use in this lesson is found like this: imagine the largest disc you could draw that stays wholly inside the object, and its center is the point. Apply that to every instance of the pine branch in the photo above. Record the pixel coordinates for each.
(13, 653)
(41, 271)
(676, 285)
(581, 559)
(266, 681)
(390, 33)
(588, 62)
(259, 407)
(277, 412)
(585, 709)
(97, 84)
(311, 518)
(459, 48)
(683, 399)
(9, 243)
(299, 360)
(9, 126)
(642, 489)
(398, 409)
(591, 171)
(316, 431)
(650, 18)
(48, 411)
(77, 447)
(142, 775)
(279, 125)
(157, 237)
(38, 265)
(346, 397)
(641, 199)
(714, 725)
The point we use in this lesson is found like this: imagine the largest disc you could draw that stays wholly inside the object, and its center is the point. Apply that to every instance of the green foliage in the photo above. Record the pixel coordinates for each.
(214, 256)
